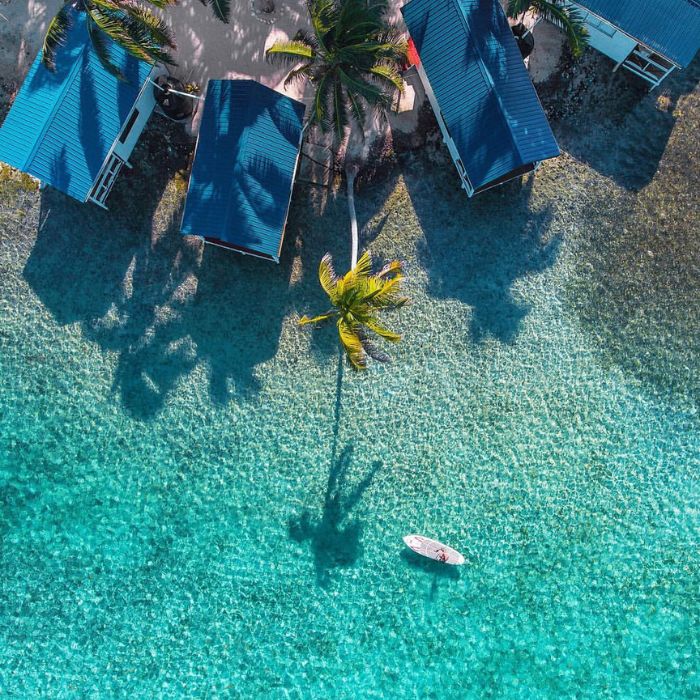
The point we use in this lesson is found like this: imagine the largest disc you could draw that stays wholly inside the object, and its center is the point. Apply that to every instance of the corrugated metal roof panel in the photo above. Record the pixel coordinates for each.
(478, 76)
(62, 124)
(243, 171)
(671, 27)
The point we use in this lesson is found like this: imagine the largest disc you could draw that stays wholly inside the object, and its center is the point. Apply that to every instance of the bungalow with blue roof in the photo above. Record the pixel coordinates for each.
(650, 38)
(474, 77)
(75, 127)
(244, 166)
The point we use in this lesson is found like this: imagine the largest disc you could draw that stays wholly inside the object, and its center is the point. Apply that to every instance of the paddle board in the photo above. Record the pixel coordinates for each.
(433, 549)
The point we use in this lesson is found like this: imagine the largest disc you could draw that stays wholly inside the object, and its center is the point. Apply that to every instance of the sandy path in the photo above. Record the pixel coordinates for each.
(22, 28)
(207, 48)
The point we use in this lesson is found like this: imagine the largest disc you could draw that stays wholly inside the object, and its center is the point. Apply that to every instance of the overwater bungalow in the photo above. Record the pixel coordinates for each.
(474, 77)
(651, 38)
(244, 167)
(74, 128)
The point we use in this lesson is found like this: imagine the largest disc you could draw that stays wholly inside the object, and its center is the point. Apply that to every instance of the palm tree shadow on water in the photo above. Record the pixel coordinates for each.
(160, 304)
(335, 537)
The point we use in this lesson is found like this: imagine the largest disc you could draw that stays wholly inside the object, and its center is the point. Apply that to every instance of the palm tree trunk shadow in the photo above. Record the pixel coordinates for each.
(336, 536)
(336, 414)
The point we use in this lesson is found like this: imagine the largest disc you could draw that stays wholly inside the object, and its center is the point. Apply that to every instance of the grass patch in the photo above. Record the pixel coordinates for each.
(13, 181)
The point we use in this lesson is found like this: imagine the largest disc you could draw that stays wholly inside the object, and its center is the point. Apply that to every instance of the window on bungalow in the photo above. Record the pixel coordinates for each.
(129, 126)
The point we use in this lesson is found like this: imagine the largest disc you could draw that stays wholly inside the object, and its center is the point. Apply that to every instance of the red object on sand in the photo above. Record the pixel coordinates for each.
(412, 53)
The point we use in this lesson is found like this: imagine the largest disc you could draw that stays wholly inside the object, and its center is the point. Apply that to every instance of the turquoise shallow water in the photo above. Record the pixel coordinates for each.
(197, 501)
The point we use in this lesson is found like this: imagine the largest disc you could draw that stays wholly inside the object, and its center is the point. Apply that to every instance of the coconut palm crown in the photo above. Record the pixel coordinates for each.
(131, 25)
(566, 17)
(352, 58)
(356, 299)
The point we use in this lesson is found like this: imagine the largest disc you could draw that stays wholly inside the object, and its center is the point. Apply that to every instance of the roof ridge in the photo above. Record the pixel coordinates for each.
(77, 66)
(487, 74)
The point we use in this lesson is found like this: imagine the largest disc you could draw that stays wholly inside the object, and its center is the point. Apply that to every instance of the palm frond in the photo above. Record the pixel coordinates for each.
(356, 108)
(56, 36)
(107, 5)
(220, 8)
(388, 74)
(324, 16)
(382, 332)
(340, 111)
(517, 7)
(304, 320)
(391, 268)
(149, 39)
(144, 20)
(297, 75)
(352, 344)
(114, 27)
(290, 52)
(371, 93)
(569, 19)
(385, 294)
(308, 38)
(328, 278)
(319, 113)
(372, 350)
(364, 265)
(99, 45)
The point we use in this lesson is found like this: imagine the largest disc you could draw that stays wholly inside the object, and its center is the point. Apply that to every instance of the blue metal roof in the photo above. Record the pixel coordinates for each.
(243, 170)
(671, 27)
(478, 76)
(62, 124)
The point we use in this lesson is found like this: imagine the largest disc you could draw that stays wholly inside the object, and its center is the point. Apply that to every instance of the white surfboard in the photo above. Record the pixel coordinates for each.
(433, 549)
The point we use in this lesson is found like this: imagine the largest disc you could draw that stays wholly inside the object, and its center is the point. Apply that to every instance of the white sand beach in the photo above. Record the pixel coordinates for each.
(207, 48)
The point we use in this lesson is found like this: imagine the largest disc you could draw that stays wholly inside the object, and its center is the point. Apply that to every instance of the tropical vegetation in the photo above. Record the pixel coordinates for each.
(566, 17)
(352, 58)
(356, 299)
(133, 25)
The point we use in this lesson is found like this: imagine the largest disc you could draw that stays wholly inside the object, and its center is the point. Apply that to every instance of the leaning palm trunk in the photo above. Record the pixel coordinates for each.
(353, 59)
(350, 173)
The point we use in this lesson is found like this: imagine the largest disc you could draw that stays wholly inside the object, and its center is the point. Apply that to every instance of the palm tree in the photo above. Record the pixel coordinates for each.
(128, 23)
(352, 58)
(133, 26)
(566, 17)
(356, 299)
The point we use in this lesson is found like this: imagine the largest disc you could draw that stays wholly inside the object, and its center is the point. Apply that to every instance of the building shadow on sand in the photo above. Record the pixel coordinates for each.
(162, 303)
(611, 121)
(475, 250)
